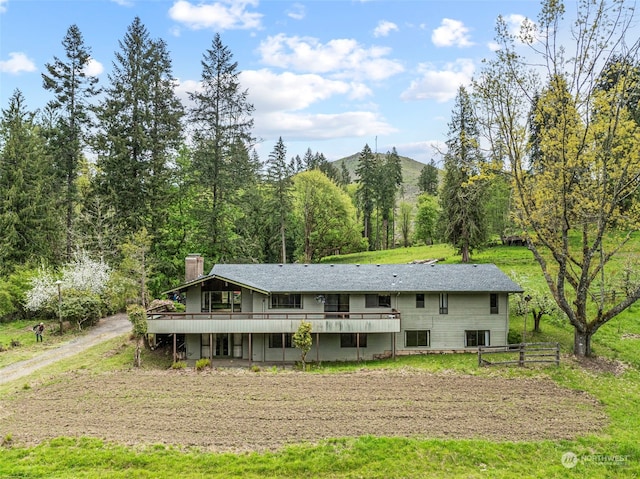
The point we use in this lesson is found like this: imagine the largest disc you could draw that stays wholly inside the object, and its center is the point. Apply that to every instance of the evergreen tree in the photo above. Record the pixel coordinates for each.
(74, 91)
(140, 132)
(221, 117)
(365, 192)
(389, 180)
(463, 191)
(29, 224)
(279, 179)
(428, 180)
(345, 177)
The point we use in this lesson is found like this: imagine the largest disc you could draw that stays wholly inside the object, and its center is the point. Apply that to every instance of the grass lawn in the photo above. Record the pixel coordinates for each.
(613, 379)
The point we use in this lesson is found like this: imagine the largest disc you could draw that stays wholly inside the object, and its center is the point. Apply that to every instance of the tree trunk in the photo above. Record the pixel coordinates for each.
(582, 343)
(536, 321)
(465, 253)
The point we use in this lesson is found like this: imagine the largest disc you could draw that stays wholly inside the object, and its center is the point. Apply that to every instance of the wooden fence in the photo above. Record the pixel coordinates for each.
(520, 354)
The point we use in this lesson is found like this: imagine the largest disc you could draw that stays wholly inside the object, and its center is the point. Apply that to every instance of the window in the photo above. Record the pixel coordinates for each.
(420, 300)
(377, 301)
(493, 303)
(213, 301)
(444, 303)
(336, 303)
(414, 339)
(286, 301)
(275, 340)
(476, 338)
(350, 340)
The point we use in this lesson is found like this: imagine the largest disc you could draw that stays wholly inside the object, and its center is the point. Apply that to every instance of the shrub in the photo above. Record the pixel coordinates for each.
(514, 337)
(202, 363)
(81, 307)
(13, 291)
(179, 365)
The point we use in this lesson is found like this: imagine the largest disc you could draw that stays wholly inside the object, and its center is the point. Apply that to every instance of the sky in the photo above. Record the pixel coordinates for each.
(330, 75)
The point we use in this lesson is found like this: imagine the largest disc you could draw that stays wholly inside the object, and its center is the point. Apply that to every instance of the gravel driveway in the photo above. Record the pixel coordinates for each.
(107, 328)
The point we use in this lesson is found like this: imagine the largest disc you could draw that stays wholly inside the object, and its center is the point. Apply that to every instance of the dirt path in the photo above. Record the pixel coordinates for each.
(107, 328)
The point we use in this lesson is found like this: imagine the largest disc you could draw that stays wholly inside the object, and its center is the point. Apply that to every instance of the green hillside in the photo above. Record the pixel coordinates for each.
(410, 173)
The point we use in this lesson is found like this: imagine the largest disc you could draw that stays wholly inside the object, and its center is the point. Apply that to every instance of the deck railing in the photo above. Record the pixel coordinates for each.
(306, 316)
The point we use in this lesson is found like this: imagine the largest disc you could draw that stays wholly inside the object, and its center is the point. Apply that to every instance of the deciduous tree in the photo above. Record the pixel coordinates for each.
(577, 202)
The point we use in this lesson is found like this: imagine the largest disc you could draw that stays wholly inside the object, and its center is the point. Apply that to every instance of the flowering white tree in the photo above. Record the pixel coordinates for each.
(82, 274)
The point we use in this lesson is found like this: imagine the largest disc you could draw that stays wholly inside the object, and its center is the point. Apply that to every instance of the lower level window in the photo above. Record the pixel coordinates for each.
(276, 340)
(476, 338)
(414, 339)
(351, 340)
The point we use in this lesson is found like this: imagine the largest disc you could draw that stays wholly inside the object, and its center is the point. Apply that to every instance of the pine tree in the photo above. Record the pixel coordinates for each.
(221, 118)
(74, 91)
(463, 191)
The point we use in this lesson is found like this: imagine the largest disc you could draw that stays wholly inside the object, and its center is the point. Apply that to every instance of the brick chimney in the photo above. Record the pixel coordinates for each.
(193, 267)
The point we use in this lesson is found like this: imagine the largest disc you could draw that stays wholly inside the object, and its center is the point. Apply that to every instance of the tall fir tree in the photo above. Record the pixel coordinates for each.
(463, 191)
(389, 181)
(29, 224)
(73, 91)
(222, 124)
(428, 180)
(140, 132)
(365, 193)
(281, 185)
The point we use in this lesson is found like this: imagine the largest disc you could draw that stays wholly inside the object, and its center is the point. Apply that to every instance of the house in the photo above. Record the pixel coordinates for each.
(357, 311)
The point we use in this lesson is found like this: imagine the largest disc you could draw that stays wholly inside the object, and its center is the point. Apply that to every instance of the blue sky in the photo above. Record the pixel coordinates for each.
(327, 75)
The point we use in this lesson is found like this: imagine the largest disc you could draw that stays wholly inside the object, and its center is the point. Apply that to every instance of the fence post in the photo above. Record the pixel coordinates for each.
(557, 354)
(521, 359)
(479, 356)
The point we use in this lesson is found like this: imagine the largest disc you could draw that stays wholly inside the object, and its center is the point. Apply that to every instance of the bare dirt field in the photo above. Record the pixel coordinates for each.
(240, 410)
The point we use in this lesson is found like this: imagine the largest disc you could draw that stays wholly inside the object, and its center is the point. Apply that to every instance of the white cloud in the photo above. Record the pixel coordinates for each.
(222, 15)
(287, 91)
(384, 28)
(280, 101)
(18, 62)
(451, 33)
(493, 46)
(343, 58)
(297, 11)
(321, 126)
(3, 8)
(94, 68)
(440, 85)
(123, 3)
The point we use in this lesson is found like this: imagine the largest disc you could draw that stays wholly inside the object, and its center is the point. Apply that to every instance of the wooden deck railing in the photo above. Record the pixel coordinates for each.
(308, 316)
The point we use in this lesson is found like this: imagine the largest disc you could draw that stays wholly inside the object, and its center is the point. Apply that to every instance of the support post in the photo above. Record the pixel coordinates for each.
(393, 345)
(175, 348)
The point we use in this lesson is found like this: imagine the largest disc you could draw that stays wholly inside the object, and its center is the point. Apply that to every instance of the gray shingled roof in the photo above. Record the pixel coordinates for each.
(352, 278)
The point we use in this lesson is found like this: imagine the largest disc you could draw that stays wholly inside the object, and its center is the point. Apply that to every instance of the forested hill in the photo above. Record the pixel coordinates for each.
(410, 173)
